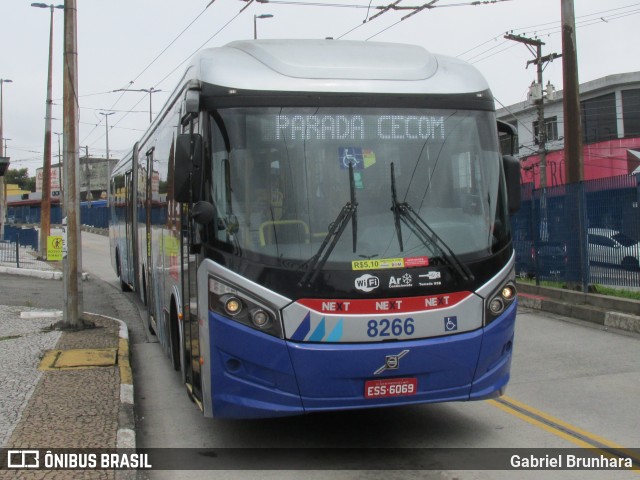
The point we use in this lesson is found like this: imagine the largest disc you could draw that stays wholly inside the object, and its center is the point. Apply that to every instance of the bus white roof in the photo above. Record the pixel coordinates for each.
(333, 66)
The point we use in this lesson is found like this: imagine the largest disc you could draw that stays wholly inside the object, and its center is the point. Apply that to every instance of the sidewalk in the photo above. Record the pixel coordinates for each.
(62, 389)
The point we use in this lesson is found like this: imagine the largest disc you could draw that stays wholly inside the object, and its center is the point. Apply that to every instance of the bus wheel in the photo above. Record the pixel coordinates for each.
(174, 337)
(144, 289)
(123, 285)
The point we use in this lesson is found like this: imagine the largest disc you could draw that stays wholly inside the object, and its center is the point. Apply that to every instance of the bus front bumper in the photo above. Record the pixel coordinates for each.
(253, 375)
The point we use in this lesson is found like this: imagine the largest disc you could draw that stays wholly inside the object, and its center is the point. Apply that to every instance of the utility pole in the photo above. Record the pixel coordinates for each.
(150, 91)
(60, 183)
(573, 160)
(5, 164)
(72, 275)
(45, 203)
(106, 124)
(540, 62)
(87, 175)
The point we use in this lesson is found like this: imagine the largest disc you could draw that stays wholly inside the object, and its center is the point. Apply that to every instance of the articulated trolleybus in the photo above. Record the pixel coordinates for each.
(323, 225)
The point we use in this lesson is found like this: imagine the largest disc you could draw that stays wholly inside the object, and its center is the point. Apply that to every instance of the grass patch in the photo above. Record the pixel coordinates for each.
(599, 289)
(614, 292)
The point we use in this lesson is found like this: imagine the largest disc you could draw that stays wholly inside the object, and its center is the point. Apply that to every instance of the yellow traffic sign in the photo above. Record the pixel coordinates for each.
(54, 248)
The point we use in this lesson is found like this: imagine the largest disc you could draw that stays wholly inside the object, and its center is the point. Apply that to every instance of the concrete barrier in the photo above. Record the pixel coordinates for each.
(604, 310)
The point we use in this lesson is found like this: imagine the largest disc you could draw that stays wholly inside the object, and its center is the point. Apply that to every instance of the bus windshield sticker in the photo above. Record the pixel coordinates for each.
(367, 283)
(430, 279)
(387, 263)
(350, 155)
(416, 262)
(377, 264)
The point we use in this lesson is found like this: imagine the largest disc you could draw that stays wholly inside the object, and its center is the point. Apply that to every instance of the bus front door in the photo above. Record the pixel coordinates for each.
(190, 261)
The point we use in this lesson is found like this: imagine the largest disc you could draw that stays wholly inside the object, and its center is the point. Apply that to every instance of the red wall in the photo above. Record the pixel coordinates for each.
(603, 159)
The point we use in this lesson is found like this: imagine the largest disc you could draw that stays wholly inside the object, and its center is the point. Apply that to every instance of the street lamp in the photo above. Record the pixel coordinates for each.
(255, 23)
(4, 164)
(146, 90)
(60, 185)
(2, 82)
(45, 204)
(106, 122)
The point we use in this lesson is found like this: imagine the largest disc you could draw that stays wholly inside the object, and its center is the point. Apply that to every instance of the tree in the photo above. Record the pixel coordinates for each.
(21, 178)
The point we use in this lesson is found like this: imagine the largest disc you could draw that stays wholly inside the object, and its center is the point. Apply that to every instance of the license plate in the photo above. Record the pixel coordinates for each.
(390, 387)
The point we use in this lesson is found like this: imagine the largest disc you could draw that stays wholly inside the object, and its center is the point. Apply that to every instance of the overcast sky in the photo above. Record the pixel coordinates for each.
(147, 41)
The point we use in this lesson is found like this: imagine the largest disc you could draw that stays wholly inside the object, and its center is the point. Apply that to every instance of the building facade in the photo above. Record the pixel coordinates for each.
(94, 178)
(610, 111)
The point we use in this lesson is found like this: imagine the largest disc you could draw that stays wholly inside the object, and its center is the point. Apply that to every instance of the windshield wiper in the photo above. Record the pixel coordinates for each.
(348, 212)
(402, 211)
(395, 207)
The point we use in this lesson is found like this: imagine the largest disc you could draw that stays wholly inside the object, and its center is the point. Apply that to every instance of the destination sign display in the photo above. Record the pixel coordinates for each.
(356, 127)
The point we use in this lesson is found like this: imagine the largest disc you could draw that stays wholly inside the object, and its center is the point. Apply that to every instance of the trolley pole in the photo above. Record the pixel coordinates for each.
(72, 275)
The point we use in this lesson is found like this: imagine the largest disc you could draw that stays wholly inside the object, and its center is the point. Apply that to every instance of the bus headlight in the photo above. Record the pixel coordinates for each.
(499, 302)
(232, 305)
(496, 306)
(260, 318)
(243, 307)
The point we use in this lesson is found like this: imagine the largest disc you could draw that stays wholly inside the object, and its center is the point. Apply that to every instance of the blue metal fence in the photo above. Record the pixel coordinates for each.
(24, 236)
(30, 214)
(587, 232)
(94, 216)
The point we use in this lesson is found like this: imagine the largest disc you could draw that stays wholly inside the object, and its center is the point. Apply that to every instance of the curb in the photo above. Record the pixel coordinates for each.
(602, 310)
(28, 272)
(42, 274)
(126, 435)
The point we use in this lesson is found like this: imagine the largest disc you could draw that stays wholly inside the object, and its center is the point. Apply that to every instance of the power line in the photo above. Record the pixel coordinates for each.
(414, 10)
(144, 70)
(169, 74)
(554, 29)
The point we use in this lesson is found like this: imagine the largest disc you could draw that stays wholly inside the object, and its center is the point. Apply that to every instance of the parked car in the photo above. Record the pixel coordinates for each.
(551, 256)
(607, 246)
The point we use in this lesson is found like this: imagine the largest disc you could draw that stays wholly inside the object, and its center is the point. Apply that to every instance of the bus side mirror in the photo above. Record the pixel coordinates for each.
(187, 174)
(203, 213)
(511, 167)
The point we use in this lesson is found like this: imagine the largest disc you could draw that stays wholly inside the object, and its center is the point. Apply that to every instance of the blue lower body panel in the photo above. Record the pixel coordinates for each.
(254, 375)
(251, 373)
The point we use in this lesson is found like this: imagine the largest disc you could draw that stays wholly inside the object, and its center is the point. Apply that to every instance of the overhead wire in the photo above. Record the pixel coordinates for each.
(494, 50)
(552, 28)
(201, 46)
(416, 9)
(152, 62)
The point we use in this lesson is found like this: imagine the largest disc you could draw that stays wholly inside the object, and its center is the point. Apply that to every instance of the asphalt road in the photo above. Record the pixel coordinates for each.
(567, 377)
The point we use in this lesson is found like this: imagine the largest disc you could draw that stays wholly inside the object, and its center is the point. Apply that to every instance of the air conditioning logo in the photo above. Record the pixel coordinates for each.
(367, 282)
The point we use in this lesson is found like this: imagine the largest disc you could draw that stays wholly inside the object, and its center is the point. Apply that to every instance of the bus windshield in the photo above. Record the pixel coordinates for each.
(283, 177)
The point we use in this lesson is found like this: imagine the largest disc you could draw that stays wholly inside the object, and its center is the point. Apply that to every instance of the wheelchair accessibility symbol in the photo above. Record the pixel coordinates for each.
(350, 155)
(450, 324)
